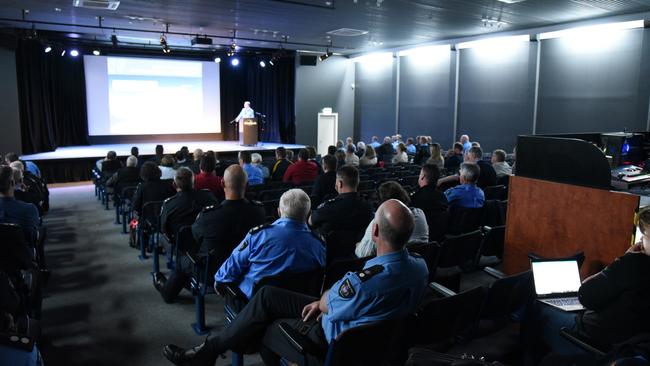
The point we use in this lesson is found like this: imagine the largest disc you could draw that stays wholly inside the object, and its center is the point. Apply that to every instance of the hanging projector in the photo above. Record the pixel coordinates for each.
(201, 41)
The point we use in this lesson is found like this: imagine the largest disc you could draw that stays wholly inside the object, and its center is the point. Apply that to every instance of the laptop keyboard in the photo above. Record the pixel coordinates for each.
(569, 301)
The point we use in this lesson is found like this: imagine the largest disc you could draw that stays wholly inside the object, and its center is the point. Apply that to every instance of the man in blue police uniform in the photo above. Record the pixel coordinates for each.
(255, 175)
(390, 286)
(467, 194)
(287, 245)
(13, 211)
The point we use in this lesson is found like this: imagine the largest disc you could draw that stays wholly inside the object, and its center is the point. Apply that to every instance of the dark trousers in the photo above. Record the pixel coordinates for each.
(259, 317)
(178, 279)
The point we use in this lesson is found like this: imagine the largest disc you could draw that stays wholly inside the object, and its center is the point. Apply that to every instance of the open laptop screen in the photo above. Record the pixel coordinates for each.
(552, 277)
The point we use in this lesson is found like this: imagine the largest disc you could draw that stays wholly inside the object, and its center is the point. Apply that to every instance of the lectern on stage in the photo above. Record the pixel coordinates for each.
(250, 132)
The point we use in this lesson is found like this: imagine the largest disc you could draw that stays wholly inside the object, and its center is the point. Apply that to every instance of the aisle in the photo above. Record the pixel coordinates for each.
(102, 308)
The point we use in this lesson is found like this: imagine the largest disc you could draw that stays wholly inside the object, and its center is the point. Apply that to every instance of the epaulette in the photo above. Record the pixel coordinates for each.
(210, 208)
(416, 255)
(257, 203)
(259, 228)
(169, 198)
(328, 201)
(369, 272)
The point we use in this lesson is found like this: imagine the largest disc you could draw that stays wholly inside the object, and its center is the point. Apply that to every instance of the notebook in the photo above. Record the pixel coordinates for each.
(557, 283)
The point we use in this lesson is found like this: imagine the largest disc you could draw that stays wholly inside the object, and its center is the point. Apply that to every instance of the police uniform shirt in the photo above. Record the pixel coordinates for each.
(182, 209)
(465, 195)
(222, 227)
(284, 246)
(390, 286)
(254, 174)
(347, 211)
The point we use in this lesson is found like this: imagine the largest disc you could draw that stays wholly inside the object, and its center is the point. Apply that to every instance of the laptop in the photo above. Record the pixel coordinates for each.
(557, 283)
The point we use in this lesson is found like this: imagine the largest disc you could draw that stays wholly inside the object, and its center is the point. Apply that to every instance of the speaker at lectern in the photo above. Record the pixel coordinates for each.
(250, 132)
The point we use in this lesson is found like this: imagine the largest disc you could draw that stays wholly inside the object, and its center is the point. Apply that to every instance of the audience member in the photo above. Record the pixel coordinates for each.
(345, 212)
(331, 150)
(420, 234)
(290, 156)
(340, 145)
(127, 176)
(217, 231)
(454, 158)
(464, 140)
(167, 167)
(350, 157)
(391, 286)
(207, 178)
(110, 164)
(410, 146)
(374, 142)
(488, 176)
(30, 166)
(20, 191)
(369, 158)
(183, 158)
(287, 245)
(467, 194)
(324, 187)
(361, 149)
(196, 164)
(499, 163)
(385, 152)
(436, 156)
(302, 171)
(256, 161)
(428, 198)
(13, 211)
(255, 175)
(423, 151)
(340, 157)
(159, 154)
(31, 188)
(182, 208)
(349, 141)
(313, 157)
(152, 188)
(281, 164)
(396, 140)
(401, 157)
(136, 152)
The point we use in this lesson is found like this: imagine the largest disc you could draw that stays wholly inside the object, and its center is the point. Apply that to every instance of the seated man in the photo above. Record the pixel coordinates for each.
(501, 167)
(208, 179)
(302, 171)
(324, 187)
(287, 245)
(385, 151)
(454, 158)
(428, 198)
(13, 211)
(218, 228)
(347, 211)
(152, 187)
(281, 164)
(22, 192)
(182, 208)
(423, 152)
(110, 164)
(258, 162)
(488, 175)
(30, 166)
(467, 194)
(255, 175)
(616, 299)
(125, 177)
(391, 286)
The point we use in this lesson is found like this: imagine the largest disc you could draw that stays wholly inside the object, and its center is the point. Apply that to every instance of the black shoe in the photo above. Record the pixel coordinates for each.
(182, 357)
(159, 280)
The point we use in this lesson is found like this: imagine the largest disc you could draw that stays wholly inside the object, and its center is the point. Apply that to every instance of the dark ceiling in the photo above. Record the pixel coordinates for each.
(305, 23)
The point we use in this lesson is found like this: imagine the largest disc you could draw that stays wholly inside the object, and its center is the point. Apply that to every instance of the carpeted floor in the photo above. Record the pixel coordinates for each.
(101, 307)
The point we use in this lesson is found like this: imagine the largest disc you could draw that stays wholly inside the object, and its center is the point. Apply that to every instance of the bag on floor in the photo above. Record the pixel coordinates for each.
(133, 236)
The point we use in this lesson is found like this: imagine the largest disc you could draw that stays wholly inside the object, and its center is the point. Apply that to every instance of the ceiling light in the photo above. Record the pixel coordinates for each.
(325, 56)
(262, 63)
(96, 52)
(233, 49)
(234, 62)
(593, 30)
(163, 44)
(114, 40)
(496, 41)
(375, 58)
(271, 62)
(63, 53)
(48, 49)
(74, 53)
(217, 59)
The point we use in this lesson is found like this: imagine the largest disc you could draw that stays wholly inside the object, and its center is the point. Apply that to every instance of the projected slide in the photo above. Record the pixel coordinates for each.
(136, 96)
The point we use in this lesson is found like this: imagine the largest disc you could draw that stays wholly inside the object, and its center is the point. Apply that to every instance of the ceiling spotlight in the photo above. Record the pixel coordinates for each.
(163, 44)
(233, 49)
(96, 52)
(114, 40)
(217, 59)
(234, 62)
(271, 62)
(48, 49)
(262, 63)
(63, 53)
(326, 55)
(74, 53)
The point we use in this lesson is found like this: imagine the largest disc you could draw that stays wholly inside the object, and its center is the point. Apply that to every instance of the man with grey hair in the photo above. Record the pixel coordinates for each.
(390, 286)
(467, 194)
(124, 177)
(287, 245)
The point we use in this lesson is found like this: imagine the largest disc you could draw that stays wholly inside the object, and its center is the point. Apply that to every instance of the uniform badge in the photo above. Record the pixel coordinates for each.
(346, 290)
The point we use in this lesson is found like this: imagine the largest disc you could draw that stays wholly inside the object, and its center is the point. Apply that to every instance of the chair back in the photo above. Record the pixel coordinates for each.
(494, 213)
(128, 192)
(443, 320)
(271, 210)
(461, 250)
(308, 283)
(493, 241)
(340, 244)
(430, 252)
(337, 269)
(185, 240)
(507, 295)
(464, 220)
(499, 192)
(369, 344)
(438, 222)
(16, 254)
(151, 214)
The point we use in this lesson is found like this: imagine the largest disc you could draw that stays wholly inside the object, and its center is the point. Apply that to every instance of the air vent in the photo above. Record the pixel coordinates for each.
(347, 32)
(96, 4)
(512, 1)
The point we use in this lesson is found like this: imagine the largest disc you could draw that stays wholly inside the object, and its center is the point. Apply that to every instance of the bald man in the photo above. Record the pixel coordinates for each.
(219, 228)
(390, 286)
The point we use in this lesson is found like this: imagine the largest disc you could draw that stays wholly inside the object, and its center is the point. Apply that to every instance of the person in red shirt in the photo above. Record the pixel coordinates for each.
(302, 171)
(207, 179)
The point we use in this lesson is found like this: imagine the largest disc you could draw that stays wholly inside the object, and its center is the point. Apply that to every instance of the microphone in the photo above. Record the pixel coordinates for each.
(260, 114)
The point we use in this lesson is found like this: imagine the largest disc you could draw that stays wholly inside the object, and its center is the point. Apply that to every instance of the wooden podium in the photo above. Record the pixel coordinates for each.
(250, 132)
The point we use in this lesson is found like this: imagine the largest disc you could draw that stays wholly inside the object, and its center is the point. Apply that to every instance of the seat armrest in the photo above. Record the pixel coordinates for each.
(494, 273)
(193, 257)
(580, 341)
(442, 290)
(296, 339)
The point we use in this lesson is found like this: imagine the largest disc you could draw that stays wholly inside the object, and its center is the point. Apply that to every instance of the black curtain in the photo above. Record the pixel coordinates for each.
(52, 97)
(271, 91)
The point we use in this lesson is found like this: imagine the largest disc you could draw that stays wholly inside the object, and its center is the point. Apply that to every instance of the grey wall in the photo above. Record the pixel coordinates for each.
(375, 99)
(329, 84)
(10, 137)
(426, 96)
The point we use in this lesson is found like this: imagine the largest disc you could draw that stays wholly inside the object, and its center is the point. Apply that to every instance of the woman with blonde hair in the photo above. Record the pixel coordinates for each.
(436, 156)
(401, 156)
(369, 157)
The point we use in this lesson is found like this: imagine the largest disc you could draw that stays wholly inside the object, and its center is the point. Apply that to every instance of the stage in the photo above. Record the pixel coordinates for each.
(73, 163)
